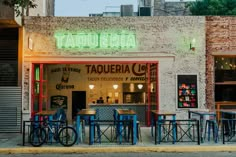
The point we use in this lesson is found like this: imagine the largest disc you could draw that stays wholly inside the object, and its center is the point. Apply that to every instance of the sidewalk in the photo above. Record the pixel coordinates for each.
(12, 143)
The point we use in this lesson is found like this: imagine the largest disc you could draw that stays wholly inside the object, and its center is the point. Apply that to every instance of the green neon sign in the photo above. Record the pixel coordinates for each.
(95, 40)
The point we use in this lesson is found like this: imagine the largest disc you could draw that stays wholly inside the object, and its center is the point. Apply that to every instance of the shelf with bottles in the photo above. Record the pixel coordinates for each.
(187, 91)
(187, 99)
(187, 104)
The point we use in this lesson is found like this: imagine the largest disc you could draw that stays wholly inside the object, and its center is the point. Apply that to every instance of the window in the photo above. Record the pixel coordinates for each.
(187, 91)
(225, 78)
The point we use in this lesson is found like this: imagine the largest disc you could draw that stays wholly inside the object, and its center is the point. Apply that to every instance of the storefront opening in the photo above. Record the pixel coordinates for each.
(81, 85)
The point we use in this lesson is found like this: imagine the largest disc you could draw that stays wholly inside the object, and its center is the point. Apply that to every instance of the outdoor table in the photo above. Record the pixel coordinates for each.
(202, 115)
(88, 113)
(46, 114)
(161, 115)
(232, 113)
(132, 115)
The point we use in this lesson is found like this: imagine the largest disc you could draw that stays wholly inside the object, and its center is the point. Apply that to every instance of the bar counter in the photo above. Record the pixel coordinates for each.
(106, 110)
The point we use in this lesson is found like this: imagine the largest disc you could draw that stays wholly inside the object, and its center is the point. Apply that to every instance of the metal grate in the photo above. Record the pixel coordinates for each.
(8, 116)
(10, 109)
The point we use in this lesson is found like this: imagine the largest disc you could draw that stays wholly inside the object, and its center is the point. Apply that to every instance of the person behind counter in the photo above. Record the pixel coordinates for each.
(100, 101)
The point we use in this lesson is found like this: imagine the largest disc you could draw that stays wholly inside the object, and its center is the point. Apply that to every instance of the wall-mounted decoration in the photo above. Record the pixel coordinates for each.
(58, 101)
(187, 91)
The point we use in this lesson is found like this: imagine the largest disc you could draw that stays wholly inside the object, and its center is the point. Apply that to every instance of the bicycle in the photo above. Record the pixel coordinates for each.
(66, 135)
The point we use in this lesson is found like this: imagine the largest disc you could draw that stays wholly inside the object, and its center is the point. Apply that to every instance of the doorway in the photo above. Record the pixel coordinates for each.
(78, 101)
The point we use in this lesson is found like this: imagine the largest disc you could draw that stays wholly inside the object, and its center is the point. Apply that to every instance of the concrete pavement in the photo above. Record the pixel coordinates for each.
(12, 143)
(118, 149)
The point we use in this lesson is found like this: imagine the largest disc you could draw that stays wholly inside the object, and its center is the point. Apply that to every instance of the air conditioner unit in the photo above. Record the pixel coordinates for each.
(146, 3)
(144, 11)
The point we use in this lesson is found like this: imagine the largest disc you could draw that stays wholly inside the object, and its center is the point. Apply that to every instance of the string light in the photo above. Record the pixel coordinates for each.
(225, 63)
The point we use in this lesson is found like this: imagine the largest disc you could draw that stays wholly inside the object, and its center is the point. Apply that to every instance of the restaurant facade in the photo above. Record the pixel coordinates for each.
(142, 63)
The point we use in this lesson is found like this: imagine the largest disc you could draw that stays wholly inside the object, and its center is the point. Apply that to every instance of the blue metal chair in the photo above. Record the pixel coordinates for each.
(60, 115)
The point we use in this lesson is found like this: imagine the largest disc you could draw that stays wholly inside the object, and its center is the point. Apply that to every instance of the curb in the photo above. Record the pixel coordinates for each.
(81, 150)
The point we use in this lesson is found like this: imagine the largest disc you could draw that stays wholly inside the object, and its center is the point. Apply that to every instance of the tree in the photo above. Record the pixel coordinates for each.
(213, 7)
(18, 4)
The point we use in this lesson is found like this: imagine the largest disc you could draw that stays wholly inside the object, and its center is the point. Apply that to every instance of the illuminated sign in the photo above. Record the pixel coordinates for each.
(124, 40)
(136, 69)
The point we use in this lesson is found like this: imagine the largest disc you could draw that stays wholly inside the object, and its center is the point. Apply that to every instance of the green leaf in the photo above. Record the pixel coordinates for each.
(18, 4)
(213, 7)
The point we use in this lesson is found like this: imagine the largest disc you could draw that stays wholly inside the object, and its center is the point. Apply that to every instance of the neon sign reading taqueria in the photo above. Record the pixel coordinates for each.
(101, 40)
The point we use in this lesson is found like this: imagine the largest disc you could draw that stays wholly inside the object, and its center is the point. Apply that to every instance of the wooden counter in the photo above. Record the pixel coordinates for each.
(106, 110)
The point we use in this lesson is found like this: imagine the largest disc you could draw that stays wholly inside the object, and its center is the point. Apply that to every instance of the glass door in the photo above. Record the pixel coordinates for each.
(152, 90)
(39, 89)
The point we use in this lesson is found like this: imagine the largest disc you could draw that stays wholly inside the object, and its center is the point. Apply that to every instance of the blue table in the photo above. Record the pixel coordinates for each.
(231, 112)
(202, 115)
(39, 116)
(44, 114)
(159, 117)
(129, 115)
(88, 113)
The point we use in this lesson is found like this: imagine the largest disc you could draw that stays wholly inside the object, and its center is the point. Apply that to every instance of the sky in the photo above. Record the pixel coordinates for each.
(85, 7)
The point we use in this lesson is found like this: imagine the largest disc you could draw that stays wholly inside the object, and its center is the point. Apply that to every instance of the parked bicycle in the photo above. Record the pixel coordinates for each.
(42, 132)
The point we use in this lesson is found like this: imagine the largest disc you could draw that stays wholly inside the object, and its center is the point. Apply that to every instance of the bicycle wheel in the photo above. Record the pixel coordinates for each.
(37, 137)
(67, 136)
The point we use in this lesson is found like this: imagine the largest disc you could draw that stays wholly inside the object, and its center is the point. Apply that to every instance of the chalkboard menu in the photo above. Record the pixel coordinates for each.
(187, 91)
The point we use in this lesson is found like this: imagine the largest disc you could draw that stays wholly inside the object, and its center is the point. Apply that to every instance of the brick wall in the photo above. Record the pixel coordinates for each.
(220, 40)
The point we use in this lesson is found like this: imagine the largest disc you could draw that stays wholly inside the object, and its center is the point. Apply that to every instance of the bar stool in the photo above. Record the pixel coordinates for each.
(139, 134)
(97, 125)
(82, 130)
(228, 130)
(164, 126)
(211, 124)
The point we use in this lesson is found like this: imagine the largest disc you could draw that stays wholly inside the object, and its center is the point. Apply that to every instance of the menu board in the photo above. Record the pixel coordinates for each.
(187, 91)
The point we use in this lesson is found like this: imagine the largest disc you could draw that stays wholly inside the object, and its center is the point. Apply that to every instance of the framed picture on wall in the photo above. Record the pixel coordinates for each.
(58, 101)
(187, 91)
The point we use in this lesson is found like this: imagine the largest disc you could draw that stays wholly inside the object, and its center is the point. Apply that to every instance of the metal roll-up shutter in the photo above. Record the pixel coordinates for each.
(10, 109)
